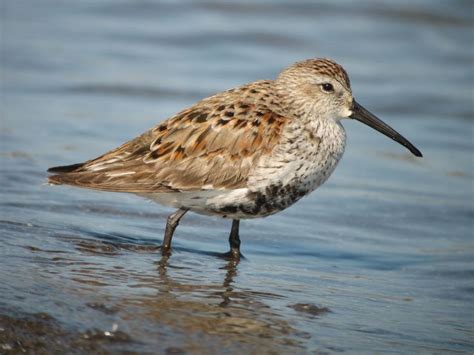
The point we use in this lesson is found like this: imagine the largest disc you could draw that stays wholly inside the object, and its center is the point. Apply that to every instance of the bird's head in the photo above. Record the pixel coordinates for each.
(322, 88)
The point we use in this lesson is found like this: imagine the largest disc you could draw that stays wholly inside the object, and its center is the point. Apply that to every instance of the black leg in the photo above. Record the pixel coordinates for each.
(234, 240)
(171, 224)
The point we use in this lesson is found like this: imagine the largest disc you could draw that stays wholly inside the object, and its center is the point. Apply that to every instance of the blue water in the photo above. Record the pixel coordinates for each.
(379, 259)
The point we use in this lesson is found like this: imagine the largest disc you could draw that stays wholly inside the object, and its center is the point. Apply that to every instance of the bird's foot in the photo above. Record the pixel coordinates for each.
(233, 254)
(164, 250)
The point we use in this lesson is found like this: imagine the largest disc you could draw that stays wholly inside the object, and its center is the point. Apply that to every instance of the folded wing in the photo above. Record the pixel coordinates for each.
(212, 145)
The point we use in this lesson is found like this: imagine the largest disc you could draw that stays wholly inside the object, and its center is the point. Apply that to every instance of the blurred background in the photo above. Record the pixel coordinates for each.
(379, 258)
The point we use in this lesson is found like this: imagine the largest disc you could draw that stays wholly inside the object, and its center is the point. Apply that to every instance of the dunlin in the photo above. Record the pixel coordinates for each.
(246, 152)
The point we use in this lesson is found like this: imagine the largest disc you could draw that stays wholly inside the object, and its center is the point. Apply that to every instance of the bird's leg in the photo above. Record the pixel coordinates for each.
(234, 240)
(171, 224)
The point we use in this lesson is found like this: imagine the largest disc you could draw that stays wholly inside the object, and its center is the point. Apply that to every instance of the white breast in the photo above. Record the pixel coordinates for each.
(306, 157)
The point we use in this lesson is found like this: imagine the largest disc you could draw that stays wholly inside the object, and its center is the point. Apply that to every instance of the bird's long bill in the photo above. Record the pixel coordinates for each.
(361, 114)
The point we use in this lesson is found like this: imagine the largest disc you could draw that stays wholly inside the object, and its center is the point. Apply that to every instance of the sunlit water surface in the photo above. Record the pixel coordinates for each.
(379, 259)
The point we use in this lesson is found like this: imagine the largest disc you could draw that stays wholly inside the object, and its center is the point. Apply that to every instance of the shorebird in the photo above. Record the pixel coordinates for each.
(243, 153)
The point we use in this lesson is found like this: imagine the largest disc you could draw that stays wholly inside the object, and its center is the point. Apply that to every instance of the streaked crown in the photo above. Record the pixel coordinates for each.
(324, 66)
(316, 67)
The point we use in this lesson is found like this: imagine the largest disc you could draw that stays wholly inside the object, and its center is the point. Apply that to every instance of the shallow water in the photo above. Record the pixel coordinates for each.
(379, 259)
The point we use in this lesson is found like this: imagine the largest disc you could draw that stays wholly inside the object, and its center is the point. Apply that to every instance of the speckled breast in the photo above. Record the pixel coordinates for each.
(299, 165)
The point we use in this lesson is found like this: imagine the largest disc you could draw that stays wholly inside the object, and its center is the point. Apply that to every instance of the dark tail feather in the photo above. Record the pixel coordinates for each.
(65, 168)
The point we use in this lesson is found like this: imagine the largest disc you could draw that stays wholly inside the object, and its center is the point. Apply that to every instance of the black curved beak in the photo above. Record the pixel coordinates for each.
(359, 113)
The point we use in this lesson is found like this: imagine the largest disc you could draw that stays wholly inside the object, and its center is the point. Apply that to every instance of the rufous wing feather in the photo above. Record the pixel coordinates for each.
(212, 145)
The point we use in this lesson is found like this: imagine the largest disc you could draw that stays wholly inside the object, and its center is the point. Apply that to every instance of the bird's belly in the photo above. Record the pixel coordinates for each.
(276, 189)
(269, 196)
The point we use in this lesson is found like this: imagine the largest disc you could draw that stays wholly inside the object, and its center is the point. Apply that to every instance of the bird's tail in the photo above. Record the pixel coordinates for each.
(62, 172)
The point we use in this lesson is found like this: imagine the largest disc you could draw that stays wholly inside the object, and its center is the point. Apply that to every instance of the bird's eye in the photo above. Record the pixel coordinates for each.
(327, 87)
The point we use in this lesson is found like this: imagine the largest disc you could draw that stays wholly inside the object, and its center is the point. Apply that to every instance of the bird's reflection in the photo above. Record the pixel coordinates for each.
(178, 293)
(227, 292)
(231, 273)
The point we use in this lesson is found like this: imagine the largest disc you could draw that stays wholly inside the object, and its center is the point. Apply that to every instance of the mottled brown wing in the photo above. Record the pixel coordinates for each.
(212, 145)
